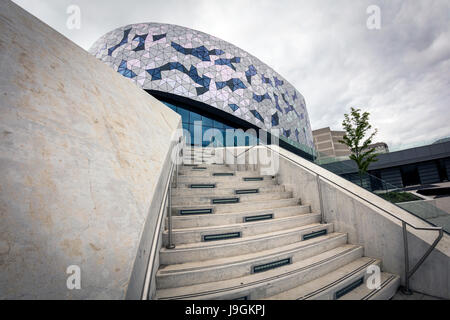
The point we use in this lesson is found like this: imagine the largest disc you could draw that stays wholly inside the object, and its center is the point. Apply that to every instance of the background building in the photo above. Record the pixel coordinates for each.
(415, 166)
(380, 147)
(327, 143)
(207, 79)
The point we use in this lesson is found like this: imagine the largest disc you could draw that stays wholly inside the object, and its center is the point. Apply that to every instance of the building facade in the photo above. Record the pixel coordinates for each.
(411, 167)
(207, 79)
(380, 147)
(327, 144)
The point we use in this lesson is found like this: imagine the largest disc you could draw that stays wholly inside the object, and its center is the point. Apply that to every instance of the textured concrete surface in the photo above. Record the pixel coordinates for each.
(82, 150)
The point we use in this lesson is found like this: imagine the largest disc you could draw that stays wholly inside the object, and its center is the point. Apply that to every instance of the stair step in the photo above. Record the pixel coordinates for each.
(388, 287)
(202, 251)
(264, 284)
(192, 235)
(227, 268)
(221, 199)
(225, 172)
(191, 192)
(209, 166)
(198, 178)
(228, 183)
(238, 207)
(179, 222)
(325, 288)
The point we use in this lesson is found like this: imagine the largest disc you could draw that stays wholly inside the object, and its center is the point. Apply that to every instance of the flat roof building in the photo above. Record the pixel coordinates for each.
(326, 142)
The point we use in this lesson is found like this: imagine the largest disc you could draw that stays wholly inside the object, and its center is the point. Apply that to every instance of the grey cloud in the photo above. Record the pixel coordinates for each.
(401, 73)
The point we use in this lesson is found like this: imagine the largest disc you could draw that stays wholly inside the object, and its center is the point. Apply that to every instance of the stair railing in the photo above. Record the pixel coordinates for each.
(166, 205)
(170, 244)
(408, 273)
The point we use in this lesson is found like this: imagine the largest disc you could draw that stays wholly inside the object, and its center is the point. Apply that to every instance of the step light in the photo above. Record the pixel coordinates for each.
(271, 265)
(314, 234)
(247, 191)
(223, 236)
(258, 218)
(223, 174)
(187, 212)
(198, 168)
(202, 186)
(225, 200)
(254, 179)
(189, 165)
(348, 288)
(242, 298)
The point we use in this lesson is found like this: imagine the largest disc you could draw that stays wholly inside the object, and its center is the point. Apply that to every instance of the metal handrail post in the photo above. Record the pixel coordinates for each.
(176, 166)
(406, 289)
(170, 244)
(320, 198)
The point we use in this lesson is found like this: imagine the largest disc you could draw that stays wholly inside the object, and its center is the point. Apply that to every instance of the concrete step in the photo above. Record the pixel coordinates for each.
(229, 183)
(202, 251)
(198, 151)
(191, 192)
(325, 287)
(388, 287)
(239, 266)
(243, 198)
(237, 207)
(208, 166)
(209, 172)
(263, 284)
(192, 235)
(200, 157)
(210, 220)
(212, 179)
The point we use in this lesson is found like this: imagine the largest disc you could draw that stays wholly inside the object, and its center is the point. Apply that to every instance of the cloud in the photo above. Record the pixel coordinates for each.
(400, 73)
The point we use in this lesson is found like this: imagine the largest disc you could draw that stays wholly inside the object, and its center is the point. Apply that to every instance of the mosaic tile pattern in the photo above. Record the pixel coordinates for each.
(196, 65)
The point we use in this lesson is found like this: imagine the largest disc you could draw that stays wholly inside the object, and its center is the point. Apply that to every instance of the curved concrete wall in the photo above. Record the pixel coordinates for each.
(82, 152)
(203, 68)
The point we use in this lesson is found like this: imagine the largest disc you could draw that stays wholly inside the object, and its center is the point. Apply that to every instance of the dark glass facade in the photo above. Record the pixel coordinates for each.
(190, 118)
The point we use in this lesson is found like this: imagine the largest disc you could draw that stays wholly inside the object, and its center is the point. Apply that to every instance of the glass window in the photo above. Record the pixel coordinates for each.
(218, 125)
(207, 122)
(194, 117)
(184, 114)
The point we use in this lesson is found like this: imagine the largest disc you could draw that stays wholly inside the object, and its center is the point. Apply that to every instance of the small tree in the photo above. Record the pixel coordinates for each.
(356, 126)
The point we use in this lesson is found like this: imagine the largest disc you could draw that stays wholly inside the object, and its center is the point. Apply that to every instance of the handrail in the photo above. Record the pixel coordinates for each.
(166, 200)
(408, 273)
(170, 244)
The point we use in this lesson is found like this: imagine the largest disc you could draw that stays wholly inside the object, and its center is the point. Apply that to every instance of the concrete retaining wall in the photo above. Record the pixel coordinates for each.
(82, 157)
(356, 211)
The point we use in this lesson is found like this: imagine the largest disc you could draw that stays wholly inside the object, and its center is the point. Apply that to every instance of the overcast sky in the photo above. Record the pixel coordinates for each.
(400, 73)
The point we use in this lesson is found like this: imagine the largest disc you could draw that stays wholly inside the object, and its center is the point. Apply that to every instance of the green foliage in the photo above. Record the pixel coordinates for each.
(397, 197)
(356, 126)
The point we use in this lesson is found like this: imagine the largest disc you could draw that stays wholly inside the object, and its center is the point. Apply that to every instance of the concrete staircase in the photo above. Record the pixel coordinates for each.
(239, 235)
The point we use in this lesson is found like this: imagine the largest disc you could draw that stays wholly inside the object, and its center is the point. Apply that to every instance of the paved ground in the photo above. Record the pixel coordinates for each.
(415, 296)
